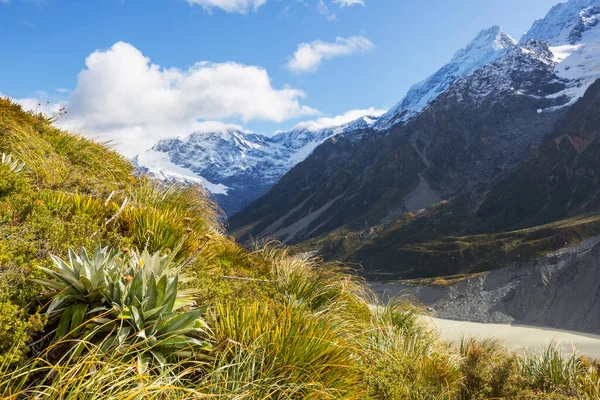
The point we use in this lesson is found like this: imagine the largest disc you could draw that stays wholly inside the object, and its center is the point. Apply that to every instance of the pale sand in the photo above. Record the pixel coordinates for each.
(520, 338)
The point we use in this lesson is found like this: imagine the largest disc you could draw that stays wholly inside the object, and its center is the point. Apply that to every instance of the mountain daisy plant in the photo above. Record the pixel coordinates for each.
(125, 302)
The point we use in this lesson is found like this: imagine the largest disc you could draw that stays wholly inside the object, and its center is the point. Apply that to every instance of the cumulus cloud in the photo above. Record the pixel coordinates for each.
(348, 3)
(342, 119)
(123, 97)
(230, 6)
(309, 56)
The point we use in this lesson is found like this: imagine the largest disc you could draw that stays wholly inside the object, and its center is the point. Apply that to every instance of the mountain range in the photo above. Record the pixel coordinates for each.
(386, 201)
(499, 141)
(236, 166)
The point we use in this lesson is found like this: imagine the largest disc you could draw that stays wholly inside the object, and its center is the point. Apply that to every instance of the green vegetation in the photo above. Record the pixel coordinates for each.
(412, 254)
(168, 307)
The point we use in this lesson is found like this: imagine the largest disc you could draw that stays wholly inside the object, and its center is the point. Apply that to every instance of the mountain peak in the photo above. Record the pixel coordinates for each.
(491, 39)
(565, 22)
(489, 45)
(483, 49)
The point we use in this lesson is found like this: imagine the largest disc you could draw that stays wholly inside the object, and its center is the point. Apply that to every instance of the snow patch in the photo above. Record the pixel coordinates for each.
(160, 165)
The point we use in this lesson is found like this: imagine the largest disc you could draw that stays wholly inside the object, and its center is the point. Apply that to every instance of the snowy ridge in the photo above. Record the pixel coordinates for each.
(573, 31)
(159, 165)
(221, 155)
(229, 162)
(489, 45)
(565, 23)
(534, 63)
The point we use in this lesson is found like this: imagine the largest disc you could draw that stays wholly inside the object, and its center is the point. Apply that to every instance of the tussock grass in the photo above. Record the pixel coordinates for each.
(59, 159)
(552, 370)
(96, 375)
(282, 352)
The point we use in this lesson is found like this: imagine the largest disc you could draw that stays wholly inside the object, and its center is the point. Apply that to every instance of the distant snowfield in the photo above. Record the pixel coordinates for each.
(519, 338)
(160, 165)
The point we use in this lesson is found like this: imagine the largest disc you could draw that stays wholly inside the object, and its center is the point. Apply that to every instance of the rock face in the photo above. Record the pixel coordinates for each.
(561, 290)
(235, 166)
(483, 229)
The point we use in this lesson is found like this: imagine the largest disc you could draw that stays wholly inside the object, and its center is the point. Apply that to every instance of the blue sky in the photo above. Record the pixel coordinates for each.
(45, 43)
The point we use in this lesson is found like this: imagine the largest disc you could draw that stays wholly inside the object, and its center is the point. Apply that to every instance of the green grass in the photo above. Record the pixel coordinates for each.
(414, 257)
(271, 325)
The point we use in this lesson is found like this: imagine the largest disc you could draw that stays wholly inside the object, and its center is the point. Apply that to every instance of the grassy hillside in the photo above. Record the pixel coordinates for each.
(171, 308)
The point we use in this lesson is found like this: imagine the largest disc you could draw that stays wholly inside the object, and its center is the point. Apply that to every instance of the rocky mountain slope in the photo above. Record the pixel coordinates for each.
(483, 125)
(350, 198)
(560, 290)
(235, 166)
(519, 215)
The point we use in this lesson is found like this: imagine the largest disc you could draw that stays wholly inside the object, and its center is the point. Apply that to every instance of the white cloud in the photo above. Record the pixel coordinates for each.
(309, 56)
(123, 97)
(230, 6)
(348, 3)
(324, 10)
(342, 119)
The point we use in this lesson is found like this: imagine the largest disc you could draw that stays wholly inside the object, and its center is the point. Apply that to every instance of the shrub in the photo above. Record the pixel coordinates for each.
(15, 332)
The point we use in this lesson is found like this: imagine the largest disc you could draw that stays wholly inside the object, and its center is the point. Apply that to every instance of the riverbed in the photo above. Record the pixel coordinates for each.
(519, 338)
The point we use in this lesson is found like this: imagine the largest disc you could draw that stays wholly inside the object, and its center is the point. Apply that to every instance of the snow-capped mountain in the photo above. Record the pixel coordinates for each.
(554, 63)
(526, 70)
(565, 23)
(572, 30)
(236, 166)
(482, 126)
(489, 45)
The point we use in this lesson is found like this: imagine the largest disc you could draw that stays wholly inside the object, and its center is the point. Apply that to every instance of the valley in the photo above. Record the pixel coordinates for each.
(243, 215)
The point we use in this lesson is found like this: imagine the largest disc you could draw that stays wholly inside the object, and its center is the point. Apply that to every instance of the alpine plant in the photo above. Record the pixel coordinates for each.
(125, 302)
